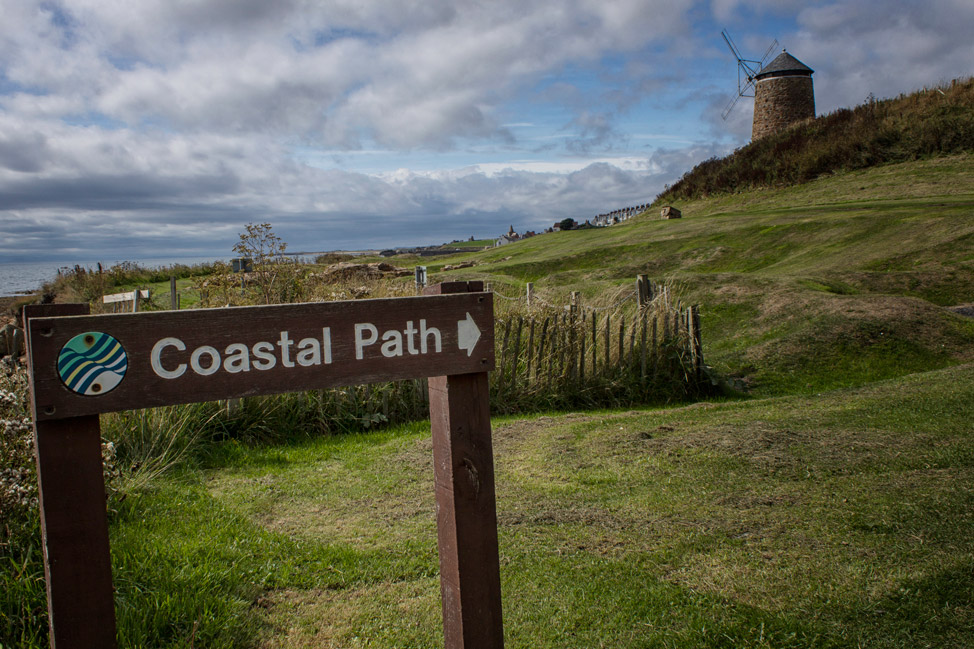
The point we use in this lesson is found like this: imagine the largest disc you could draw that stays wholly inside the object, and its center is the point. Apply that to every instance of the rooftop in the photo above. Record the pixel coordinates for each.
(783, 64)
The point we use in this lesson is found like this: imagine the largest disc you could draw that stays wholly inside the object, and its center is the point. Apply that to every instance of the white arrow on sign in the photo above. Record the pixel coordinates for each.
(468, 333)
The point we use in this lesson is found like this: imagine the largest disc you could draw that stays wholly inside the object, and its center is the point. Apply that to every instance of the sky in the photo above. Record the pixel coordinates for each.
(156, 128)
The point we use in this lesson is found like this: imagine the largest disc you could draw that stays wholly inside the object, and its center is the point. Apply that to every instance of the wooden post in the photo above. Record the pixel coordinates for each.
(541, 350)
(135, 300)
(74, 523)
(420, 278)
(642, 290)
(530, 355)
(632, 340)
(530, 292)
(553, 349)
(697, 343)
(465, 502)
(173, 296)
(576, 300)
(517, 352)
(572, 351)
(622, 340)
(500, 366)
(581, 353)
(595, 345)
(656, 350)
(643, 350)
(563, 345)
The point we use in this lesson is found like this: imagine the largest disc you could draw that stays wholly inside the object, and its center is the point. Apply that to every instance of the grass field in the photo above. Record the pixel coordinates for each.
(835, 520)
(830, 506)
(834, 283)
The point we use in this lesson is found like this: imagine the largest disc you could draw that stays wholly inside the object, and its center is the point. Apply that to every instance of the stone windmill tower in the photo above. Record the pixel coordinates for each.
(783, 95)
(782, 89)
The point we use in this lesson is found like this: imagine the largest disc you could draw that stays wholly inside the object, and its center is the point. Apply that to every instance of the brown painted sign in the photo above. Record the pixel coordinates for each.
(84, 365)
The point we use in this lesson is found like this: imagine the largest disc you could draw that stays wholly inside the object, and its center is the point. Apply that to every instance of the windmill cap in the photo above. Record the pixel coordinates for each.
(784, 64)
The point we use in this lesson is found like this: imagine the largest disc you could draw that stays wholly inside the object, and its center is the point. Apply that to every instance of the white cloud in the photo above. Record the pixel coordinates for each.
(136, 125)
(857, 48)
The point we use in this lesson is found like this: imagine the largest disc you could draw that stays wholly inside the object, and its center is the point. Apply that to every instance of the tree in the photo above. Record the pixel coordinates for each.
(273, 273)
(567, 224)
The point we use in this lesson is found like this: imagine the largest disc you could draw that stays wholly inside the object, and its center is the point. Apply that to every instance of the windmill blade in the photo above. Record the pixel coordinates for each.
(730, 43)
(730, 107)
(767, 53)
(745, 89)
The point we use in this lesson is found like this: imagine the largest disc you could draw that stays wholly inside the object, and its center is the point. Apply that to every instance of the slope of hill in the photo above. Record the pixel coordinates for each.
(931, 122)
(840, 281)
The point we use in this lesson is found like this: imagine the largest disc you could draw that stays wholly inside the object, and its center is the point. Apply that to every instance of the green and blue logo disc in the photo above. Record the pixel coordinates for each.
(92, 363)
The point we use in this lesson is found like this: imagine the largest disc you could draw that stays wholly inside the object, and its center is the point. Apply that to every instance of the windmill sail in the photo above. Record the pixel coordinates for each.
(747, 69)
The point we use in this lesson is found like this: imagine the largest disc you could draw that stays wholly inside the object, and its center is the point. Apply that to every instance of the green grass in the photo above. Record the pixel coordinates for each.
(931, 122)
(786, 522)
(832, 510)
(782, 274)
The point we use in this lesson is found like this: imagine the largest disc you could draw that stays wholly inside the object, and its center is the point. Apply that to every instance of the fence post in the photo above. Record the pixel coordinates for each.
(74, 521)
(546, 378)
(517, 352)
(527, 373)
(420, 278)
(500, 367)
(697, 342)
(466, 524)
(643, 350)
(642, 290)
(622, 340)
(595, 345)
(173, 296)
(581, 353)
(530, 293)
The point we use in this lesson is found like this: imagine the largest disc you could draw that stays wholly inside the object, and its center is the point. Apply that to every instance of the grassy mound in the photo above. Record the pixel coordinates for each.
(931, 122)
(785, 522)
(840, 281)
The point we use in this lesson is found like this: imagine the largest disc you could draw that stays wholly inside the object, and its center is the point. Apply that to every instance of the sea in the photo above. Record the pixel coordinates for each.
(22, 278)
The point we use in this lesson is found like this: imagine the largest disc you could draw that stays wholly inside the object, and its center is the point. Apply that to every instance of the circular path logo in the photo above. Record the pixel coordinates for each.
(92, 363)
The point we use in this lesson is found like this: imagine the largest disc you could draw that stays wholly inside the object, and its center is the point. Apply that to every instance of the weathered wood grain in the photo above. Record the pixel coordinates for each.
(219, 328)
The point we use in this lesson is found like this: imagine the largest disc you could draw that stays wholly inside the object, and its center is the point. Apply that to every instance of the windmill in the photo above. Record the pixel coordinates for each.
(747, 69)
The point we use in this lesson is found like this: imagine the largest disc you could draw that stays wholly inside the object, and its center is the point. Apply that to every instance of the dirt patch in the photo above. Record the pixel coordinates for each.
(966, 310)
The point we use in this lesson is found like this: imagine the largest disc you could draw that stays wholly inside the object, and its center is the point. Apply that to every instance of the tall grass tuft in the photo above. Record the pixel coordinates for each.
(145, 444)
(23, 604)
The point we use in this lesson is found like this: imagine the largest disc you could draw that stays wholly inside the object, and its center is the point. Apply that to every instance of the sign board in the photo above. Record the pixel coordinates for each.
(82, 365)
(124, 297)
(85, 365)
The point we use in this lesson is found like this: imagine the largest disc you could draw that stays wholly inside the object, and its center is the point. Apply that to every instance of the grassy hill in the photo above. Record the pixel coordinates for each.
(932, 122)
(833, 510)
(840, 281)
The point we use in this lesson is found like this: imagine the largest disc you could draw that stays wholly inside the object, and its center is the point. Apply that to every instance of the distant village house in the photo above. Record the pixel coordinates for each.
(511, 236)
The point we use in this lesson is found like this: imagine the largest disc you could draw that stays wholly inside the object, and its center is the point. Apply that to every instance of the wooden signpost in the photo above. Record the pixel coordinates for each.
(83, 365)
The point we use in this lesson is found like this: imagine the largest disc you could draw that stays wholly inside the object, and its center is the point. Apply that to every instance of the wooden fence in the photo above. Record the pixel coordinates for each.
(645, 348)
(586, 357)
